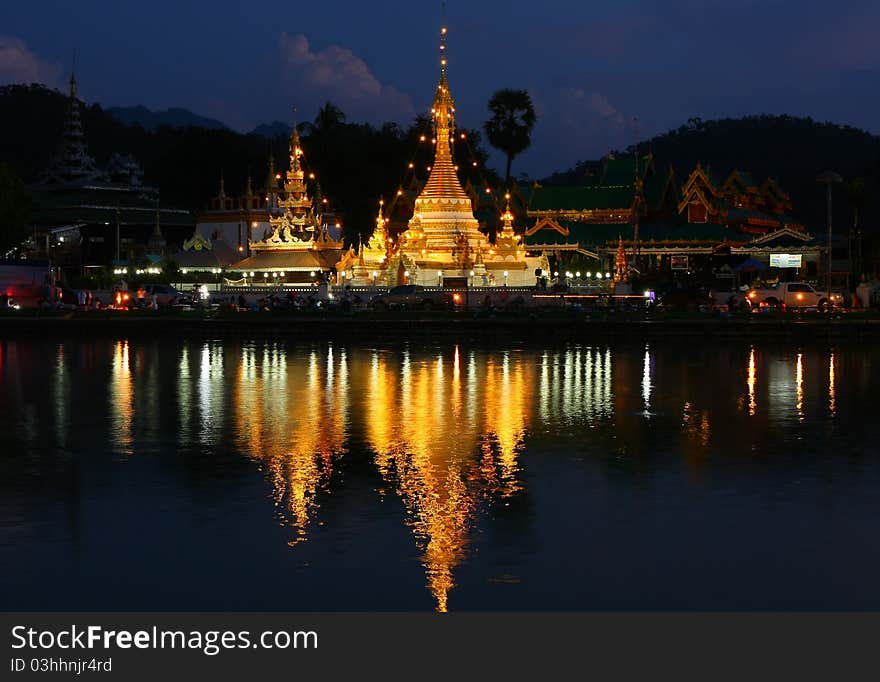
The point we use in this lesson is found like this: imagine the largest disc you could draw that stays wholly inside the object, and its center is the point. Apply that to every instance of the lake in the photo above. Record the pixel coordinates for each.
(161, 474)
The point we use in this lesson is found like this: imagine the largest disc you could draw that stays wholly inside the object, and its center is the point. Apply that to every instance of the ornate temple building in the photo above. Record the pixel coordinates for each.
(298, 243)
(443, 242)
(707, 223)
(89, 215)
(367, 266)
(232, 220)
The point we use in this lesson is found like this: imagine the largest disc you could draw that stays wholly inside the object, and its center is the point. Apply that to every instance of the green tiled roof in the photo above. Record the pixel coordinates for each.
(653, 189)
(583, 234)
(581, 198)
(618, 171)
(603, 234)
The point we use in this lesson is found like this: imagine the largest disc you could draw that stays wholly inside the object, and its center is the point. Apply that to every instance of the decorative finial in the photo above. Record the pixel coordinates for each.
(294, 134)
(443, 32)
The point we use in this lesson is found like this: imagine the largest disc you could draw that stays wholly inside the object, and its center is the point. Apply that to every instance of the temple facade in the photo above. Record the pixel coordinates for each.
(443, 243)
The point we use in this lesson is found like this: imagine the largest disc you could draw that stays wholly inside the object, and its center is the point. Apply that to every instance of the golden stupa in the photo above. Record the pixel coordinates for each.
(443, 240)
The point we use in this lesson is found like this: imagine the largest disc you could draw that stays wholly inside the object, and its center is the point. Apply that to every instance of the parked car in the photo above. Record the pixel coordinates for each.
(792, 295)
(414, 296)
(167, 295)
(727, 299)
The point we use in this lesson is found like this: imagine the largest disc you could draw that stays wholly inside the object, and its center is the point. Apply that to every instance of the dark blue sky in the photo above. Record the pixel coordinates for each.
(600, 73)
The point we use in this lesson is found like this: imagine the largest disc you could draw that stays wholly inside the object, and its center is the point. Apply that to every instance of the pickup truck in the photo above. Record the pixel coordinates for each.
(792, 295)
(415, 296)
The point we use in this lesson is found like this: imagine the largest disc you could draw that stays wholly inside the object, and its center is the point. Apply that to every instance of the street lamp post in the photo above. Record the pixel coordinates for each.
(828, 178)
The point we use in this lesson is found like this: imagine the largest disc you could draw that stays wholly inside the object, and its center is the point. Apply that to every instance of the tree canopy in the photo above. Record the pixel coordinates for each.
(14, 211)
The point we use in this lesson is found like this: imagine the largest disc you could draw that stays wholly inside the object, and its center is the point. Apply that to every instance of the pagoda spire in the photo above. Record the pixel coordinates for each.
(73, 77)
(620, 265)
(443, 182)
(72, 165)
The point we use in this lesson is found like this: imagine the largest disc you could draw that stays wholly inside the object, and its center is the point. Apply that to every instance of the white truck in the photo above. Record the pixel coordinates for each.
(792, 295)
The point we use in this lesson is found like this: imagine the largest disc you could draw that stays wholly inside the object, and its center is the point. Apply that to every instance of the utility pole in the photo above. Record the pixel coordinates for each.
(637, 189)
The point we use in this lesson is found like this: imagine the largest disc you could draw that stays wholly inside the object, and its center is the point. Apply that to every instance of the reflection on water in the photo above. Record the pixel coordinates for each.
(799, 381)
(447, 444)
(291, 415)
(121, 399)
(454, 434)
(831, 387)
(753, 403)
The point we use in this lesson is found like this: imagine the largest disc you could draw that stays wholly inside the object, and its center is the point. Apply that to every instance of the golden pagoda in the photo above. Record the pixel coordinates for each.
(621, 270)
(298, 240)
(368, 265)
(443, 236)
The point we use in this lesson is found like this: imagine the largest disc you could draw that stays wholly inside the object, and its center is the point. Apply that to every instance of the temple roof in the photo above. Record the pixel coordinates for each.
(567, 198)
(605, 234)
(309, 259)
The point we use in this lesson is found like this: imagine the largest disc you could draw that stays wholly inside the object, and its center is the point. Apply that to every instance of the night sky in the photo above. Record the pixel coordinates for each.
(601, 74)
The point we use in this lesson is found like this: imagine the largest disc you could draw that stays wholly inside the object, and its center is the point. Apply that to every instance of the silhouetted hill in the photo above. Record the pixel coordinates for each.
(175, 117)
(793, 150)
(273, 130)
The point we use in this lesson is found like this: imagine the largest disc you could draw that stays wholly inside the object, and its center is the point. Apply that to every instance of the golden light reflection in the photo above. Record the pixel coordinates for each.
(832, 387)
(697, 427)
(292, 416)
(121, 398)
(447, 448)
(753, 402)
(799, 386)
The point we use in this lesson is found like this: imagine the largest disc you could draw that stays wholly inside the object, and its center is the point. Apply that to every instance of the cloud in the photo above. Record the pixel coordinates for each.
(592, 122)
(19, 65)
(337, 74)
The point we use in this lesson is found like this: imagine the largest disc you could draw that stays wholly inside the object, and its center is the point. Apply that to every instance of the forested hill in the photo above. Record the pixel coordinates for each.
(793, 150)
(355, 163)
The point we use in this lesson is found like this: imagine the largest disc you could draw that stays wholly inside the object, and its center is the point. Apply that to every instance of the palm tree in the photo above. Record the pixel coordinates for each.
(329, 116)
(510, 128)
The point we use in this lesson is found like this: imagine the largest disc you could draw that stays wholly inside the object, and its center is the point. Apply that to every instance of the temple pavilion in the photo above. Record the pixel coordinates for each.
(443, 242)
(299, 243)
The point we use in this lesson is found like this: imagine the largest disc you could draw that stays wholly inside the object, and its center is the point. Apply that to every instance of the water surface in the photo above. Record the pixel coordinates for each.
(262, 475)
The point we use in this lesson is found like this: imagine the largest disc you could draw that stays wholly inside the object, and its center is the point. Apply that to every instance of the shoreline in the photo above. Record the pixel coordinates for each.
(368, 324)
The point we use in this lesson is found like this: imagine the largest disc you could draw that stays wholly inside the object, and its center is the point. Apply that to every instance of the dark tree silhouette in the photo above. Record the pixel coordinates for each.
(510, 128)
(14, 210)
(329, 117)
